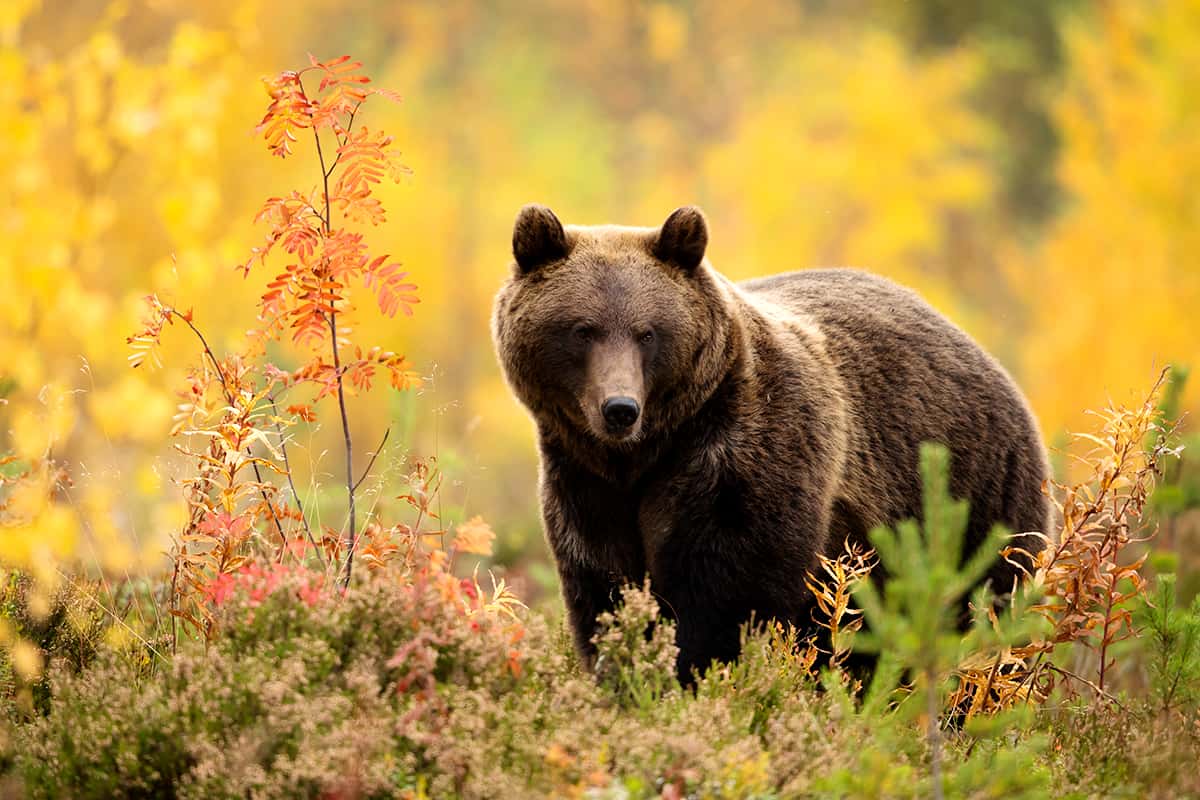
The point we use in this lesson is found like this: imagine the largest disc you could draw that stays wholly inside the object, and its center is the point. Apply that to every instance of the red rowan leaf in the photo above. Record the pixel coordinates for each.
(392, 292)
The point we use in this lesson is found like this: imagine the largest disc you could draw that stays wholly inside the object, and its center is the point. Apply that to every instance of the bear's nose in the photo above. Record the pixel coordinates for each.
(620, 412)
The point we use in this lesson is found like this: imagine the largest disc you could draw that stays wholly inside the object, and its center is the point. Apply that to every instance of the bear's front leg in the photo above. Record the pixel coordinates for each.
(711, 598)
(587, 593)
(714, 579)
(592, 532)
(708, 633)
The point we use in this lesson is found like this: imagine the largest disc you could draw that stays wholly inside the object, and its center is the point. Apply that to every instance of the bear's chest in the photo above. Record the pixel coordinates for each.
(626, 535)
(656, 521)
(677, 512)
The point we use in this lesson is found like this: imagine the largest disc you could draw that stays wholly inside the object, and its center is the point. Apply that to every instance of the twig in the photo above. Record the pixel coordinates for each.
(342, 141)
(1089, 684)
(351, 533)
(374, 456)
(1111, 591)
(229, 398)
(324, 178)
(208, 350)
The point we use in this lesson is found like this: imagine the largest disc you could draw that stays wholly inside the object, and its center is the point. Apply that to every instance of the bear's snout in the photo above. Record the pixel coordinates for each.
(612, 401)
(620, 412)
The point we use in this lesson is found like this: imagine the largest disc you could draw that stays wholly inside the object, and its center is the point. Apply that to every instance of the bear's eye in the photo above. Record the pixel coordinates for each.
(584, 333)
(646, 337)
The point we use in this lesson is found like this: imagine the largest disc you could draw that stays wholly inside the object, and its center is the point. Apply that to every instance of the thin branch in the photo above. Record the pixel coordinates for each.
(229, 398)
(374, 456)
(325, 173)
(1100, 692)
(208, 350)
(342, 141)
(1111, 591)
(351, 533)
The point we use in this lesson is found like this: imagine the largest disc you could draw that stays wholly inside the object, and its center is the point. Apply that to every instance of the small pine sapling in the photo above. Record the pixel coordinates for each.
(1173, 645)
(913, 621)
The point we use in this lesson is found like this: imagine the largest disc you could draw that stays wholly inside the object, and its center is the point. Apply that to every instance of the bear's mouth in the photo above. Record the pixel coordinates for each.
(609, 434)
(619, 435)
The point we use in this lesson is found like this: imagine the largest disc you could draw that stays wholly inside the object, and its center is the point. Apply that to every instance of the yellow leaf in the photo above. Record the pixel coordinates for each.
(474, 536)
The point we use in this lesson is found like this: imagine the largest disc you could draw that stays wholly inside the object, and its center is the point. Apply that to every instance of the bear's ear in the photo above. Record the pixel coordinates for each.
(683, 238)
(538, 238)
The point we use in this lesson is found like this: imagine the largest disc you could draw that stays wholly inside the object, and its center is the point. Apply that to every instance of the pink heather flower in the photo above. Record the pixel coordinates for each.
(310, 592)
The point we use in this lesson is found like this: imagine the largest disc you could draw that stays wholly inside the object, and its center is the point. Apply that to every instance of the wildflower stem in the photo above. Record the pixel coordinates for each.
(296, 495)
(374, 456)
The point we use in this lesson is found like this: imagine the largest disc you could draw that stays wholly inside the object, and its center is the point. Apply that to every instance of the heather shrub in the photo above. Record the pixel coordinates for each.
(304, 693)
(421, 685)
(424, 685)
(636, 652)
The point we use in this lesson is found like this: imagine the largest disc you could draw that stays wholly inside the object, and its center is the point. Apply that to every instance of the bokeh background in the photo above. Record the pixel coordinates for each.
(1031, 166)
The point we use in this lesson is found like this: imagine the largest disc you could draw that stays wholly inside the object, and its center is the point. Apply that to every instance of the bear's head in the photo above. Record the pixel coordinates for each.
(611, 332)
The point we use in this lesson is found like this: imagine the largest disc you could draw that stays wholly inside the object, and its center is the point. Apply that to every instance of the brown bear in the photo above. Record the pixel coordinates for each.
(719, 436)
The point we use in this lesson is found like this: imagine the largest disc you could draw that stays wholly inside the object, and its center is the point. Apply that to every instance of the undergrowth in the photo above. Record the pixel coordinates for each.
(417, 682)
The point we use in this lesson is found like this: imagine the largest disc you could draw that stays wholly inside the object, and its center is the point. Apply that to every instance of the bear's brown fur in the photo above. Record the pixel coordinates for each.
(720, 436)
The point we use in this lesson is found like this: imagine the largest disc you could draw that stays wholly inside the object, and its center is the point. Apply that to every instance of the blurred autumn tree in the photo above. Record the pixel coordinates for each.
(1114, 284)
(1020, 47)
(911, 138)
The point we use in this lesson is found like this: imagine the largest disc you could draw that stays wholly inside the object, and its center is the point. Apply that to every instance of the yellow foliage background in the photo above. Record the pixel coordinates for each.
(811, 136)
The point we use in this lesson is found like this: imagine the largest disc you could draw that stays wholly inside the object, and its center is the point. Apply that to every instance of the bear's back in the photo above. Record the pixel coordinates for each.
(870, 323)
(910, 375)
(853, 303)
